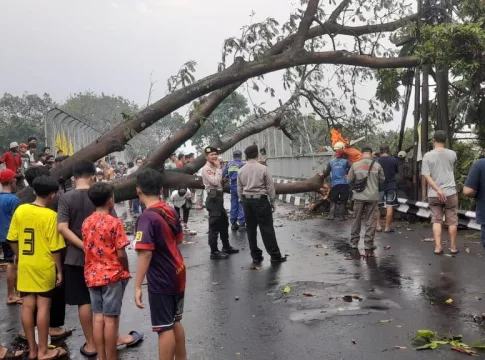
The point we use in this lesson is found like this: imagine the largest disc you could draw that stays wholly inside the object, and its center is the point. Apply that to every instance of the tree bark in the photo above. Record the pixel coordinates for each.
(305, 23)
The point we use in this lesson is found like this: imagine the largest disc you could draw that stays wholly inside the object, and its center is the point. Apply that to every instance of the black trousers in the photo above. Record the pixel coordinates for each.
(185, 213)
(259, 213)
(218, 222)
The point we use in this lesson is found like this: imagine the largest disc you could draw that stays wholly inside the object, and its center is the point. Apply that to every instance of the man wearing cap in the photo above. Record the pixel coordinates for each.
(256, 189)
(218, 221)
(238, 222)
(338, 168)
(11, 158)
(366, 200)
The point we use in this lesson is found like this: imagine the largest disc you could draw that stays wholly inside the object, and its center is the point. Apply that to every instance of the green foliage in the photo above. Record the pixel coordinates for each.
(225, 119)
(23, 116)
(466, 154)
(429, 340)
(388, 84)
(457, 45)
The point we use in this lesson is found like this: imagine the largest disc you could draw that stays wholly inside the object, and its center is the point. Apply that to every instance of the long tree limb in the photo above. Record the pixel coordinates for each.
(338, 10)
(305, 23)
(171, 178)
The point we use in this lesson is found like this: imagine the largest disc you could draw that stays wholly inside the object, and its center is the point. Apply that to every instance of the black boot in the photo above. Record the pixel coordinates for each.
(234, 227)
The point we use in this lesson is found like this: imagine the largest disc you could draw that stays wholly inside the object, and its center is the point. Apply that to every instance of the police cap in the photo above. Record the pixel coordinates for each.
(237, 153)
(211, 149)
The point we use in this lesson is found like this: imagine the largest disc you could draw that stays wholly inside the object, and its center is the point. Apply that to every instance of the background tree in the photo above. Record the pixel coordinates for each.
(224, 119)
(23, 116)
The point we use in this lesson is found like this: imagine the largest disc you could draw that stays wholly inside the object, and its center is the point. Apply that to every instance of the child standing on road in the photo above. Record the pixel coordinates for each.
(106, 268)
(157, 235)
(37, 245)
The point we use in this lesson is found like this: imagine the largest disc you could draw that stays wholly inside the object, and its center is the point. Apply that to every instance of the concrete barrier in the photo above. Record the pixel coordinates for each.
(418, 208)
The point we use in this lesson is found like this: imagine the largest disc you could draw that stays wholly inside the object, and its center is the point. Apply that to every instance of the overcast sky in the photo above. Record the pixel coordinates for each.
(63, 47)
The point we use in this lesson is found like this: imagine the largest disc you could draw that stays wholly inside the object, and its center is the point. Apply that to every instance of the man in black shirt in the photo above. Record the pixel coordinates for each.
(388, 190)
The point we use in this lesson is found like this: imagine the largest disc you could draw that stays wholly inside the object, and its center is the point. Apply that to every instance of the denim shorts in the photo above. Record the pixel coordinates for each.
(107, 300)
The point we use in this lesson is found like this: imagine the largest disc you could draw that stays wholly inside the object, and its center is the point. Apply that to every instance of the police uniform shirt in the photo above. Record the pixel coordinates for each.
(254, 178)
(212, 177)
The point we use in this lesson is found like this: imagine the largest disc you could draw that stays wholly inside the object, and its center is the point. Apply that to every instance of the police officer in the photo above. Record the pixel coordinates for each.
(238, 222)
(257, 192)
(218, 222)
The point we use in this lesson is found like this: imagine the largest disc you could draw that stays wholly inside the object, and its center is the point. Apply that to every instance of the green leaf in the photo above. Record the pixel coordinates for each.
(425, 334)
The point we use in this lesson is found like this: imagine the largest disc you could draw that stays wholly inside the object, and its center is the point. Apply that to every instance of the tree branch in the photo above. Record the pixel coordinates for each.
(338, 10)
(305, 23)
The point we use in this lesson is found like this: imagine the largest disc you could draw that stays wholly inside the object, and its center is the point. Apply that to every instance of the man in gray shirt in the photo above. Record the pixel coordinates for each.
(365, 202)
(255, 188)
(438, 171)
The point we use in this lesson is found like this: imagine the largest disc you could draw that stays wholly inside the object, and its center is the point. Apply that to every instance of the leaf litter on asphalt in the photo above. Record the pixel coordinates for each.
(286, 290)
(429, 340)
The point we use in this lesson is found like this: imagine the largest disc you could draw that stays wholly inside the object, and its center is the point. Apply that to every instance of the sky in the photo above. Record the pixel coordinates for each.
(63, 47)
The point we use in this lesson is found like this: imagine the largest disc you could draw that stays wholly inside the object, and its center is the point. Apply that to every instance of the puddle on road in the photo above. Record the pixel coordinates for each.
(330, 300)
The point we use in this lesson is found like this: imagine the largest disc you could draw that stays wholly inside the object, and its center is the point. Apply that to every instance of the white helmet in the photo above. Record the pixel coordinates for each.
(339, 145)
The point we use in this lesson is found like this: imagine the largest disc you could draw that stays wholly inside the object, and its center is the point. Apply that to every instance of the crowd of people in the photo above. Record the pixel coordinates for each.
(69, 247)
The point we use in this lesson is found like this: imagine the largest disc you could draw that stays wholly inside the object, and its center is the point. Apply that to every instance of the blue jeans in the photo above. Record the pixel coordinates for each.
(137, 205)
(237, 213)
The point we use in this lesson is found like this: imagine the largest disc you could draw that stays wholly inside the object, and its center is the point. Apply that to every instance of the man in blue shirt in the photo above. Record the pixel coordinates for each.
(475, 188)
(238, 221)
(338, 168)
(8, 204)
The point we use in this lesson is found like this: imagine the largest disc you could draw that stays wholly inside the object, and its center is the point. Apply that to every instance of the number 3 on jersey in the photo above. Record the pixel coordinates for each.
(29, 242)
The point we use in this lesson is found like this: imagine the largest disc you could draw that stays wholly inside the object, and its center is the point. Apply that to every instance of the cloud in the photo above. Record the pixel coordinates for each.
(142, 8)
(115, 5)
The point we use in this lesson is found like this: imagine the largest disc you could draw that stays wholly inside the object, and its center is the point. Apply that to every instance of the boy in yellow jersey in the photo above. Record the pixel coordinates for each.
(36, 243)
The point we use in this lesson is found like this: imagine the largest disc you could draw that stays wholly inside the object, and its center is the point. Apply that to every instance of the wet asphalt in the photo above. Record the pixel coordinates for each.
(233, 311)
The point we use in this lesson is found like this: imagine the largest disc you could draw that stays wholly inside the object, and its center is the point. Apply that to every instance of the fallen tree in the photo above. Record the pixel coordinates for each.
(288, 52)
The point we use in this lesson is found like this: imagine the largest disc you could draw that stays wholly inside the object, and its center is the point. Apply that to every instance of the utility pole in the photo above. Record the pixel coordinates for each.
(417, 115)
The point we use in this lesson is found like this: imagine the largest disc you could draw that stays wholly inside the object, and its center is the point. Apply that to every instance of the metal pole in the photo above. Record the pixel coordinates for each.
(417, 90)
(425, 115)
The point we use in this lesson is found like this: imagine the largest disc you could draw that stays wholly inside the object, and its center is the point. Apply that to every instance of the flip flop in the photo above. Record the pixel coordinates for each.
(16, 302)
(389, 231)
(137, 339)
(378, 230)
(454, 252)
(83, 351)
(11, 355)
(438, 252)
(60, 353)
(65, 334)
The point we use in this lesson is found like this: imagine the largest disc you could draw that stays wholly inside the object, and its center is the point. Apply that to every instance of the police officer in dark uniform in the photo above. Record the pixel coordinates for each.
(218, 221)
(257, 192)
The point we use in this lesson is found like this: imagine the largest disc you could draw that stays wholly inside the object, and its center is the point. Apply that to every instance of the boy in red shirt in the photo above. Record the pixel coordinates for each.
(106, 268)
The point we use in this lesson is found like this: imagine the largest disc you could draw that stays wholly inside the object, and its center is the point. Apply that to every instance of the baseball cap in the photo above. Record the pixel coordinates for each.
(13, 145)
(6, 176)
(237, 153)
(402, 154)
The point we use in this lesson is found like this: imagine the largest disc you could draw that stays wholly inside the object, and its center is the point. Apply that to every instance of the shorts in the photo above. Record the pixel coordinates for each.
(388, 198)
(77, 292)
(8, 255)
(107, 300)
(447, 209)
(165, 310)
(46, 294)
(339, 193)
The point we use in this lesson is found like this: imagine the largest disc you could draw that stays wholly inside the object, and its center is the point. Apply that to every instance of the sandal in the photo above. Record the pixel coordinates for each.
(391, 230)
(454, 252)
(66, 333)
(83, 351)
(438, 252)
(137, 339)
(12, 355)
(60, 353)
